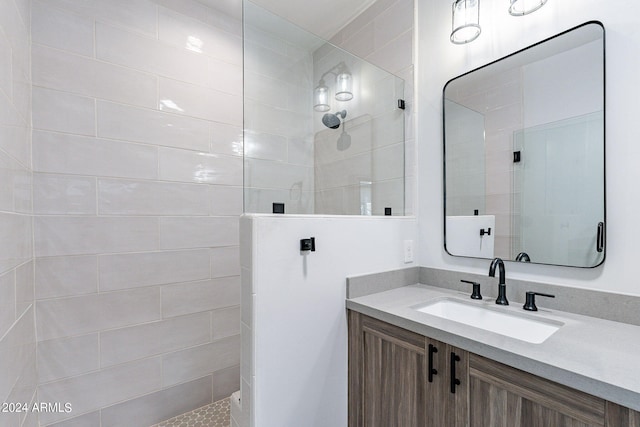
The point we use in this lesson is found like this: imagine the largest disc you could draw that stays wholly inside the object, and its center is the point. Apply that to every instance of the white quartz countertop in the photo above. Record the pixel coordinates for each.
(599, 357)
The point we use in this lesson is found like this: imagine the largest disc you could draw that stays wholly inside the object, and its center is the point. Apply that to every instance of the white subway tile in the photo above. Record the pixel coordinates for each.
(225, 77)
(68, 357)
(225, 382)
(71, 154)
(15, 134)
(198, 101)
(92, 235)
(16, 245)
(17, 351)
(89, 419)
(226, 139)
(7, 301)
(6, 80)
(56, 69)
(150, 55)
(60, 29)
(124, 197)
(226, 200)
(64, 194)
(395, 55)
(191, 34)
(199, 361)
(223, 14)
(15, 191)
(393, 22)
(198, 232)
(139, 341)
(118, 121)
(247, 352)
(277, 175)
(138, 15)
(258, 145)
(225, 261)
(189, 166)
(225, 322)
(388, 162)
(63, 112)
(65, 317)
(194, 297)
(66, 276)
(96, 390)
(159, 406)
(25, 287)
(125, 271)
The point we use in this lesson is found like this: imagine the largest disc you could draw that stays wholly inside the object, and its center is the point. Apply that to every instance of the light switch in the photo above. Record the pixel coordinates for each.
(408, 251)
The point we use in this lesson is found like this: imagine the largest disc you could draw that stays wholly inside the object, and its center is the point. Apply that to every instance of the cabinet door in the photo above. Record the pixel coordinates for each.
(619, 416)
(501, 396)
(387, 375)
(447, 385)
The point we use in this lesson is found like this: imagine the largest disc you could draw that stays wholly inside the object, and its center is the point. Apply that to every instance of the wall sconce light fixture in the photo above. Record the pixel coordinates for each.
(465, 23)
(524, 7)
(321, 97)
(344, 88)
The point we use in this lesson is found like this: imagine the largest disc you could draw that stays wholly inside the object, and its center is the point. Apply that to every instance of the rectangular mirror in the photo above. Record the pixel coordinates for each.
(524, 154)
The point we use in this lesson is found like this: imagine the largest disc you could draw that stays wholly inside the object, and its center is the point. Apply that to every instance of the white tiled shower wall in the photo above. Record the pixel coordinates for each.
(384, 35)
(17, 330)
(137, 116)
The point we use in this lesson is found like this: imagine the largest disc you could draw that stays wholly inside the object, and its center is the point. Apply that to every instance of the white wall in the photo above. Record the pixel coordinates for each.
(501, 35)
(294, 325)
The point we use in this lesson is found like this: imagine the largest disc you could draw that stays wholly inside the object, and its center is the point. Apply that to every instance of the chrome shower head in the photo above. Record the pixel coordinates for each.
(332, 121)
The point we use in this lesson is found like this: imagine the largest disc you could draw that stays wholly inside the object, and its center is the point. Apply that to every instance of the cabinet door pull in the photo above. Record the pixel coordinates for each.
(454, 381)
(432, 370)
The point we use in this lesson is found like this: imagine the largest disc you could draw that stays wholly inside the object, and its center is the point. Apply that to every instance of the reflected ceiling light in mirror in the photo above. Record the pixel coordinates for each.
(465, 22)
(194, 44)
(321, 97)
(524, 7)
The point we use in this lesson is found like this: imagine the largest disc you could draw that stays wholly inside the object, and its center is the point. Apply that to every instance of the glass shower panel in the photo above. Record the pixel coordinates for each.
(323, 129)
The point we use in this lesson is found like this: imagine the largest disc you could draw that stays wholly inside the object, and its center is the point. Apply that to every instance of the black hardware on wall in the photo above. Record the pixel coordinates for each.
(454, 381)
(475, 212)
(516, 157)
(387, 211)
(308, 244)
(432, 370)
(476, 289)
(278, 208)
(487, 232)
(401, 104)
(600, 238)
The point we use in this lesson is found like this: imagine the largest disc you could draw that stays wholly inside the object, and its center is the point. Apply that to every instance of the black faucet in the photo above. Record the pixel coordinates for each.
(502, 288)
(523, 257)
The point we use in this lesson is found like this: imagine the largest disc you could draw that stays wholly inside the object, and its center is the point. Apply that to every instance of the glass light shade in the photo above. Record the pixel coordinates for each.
(465, 23)
(524, 7)
(344, 87)
(321, 98)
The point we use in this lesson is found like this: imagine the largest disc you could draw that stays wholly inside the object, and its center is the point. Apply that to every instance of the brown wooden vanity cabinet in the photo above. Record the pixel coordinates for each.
(390, 386)
(389, 381)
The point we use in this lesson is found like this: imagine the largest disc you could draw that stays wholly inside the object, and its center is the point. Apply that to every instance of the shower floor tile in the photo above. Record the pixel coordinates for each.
(216, 414)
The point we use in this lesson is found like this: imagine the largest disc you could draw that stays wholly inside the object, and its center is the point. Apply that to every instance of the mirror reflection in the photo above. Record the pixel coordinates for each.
(524, 154)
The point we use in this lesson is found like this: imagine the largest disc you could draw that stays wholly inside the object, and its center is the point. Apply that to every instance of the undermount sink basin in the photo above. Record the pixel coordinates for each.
(492, 319)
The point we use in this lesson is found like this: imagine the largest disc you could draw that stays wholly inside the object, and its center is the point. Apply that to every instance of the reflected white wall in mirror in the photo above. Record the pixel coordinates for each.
(524, 142)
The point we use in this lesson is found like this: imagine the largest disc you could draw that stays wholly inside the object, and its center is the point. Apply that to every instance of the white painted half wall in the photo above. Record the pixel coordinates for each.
(501, 35)
(294, 325)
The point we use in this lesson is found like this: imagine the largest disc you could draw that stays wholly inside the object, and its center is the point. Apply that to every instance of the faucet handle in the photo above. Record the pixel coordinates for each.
(476, 289)
(530, 303)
